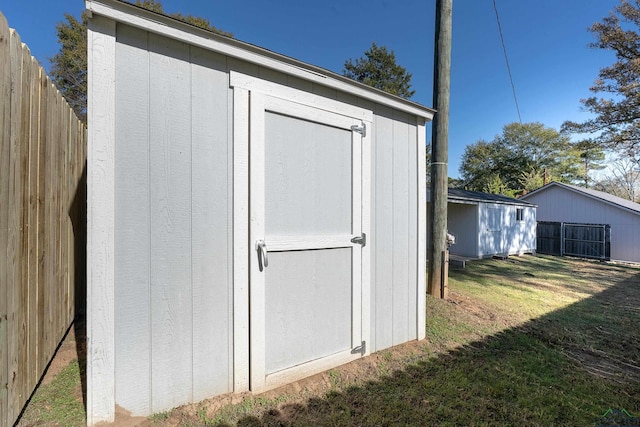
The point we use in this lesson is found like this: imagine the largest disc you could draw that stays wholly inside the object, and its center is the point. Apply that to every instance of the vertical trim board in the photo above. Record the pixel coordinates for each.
(367, 284)
(241, 250)
(412, 222)
(100, 222)
(257, 315)
(421, 288)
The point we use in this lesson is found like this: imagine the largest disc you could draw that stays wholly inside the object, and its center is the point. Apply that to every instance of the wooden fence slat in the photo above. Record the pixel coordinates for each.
(32, 260)
(42, 219)
(25, 128)
(5, 87)
(50, 229)
(13, 226)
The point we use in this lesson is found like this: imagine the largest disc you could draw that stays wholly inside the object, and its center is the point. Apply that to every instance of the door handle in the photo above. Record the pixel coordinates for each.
(263, 259)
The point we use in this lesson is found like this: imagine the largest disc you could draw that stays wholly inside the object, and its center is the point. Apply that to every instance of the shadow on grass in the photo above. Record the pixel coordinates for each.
(565, 368)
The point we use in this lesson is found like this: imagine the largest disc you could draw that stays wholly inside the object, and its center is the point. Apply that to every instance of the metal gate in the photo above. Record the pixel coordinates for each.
(580, 240)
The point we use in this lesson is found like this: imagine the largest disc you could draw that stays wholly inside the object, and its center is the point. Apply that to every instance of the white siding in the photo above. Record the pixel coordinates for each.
(486, 229)
(562, 205)
(394, 229)
(521, 234)
(133, 226)
(500, 234)
(462, 222)
(172, 242)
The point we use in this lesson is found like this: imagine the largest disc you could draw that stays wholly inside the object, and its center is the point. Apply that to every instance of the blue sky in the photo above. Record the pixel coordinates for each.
(547, 42)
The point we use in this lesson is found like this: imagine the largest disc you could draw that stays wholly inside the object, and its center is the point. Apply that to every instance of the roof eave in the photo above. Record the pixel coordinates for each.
(135, 16)
(584, 193)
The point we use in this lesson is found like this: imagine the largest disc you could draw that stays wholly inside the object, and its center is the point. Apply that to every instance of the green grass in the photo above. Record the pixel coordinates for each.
(57, 403)
(533, 341)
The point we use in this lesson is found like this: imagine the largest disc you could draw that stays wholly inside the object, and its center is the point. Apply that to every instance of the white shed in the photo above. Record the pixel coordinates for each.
(252, 219)
(568, 203)
(485, 224)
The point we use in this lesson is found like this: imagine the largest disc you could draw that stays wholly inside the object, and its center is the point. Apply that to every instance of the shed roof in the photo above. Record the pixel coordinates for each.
(601, 196)
(467, 196)
(122, 11)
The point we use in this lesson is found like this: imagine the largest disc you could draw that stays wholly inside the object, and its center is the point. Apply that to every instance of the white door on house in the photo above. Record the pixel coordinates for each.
(307, 240)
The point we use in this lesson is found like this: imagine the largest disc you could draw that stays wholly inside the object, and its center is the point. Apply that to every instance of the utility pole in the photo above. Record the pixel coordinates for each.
(438, 271)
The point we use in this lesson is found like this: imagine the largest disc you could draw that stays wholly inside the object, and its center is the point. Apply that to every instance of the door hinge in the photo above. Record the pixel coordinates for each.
(361, 240)
(362, 130)
(362, 348)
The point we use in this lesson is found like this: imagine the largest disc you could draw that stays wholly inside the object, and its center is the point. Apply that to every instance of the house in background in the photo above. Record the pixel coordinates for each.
(252, 219)
(486, 225)
(565, 203)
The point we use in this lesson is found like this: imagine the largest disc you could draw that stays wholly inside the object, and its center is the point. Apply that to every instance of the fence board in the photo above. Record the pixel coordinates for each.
(32, 243)
(41, 321)
(13, 226)
(42, 158)
(25, 128)
(5, 86)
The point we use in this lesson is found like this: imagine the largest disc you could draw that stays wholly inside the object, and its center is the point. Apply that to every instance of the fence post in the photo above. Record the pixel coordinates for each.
(562, 239)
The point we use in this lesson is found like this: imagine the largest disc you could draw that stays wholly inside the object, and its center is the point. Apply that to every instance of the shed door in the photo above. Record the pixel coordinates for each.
(494, 229)
(305, 209)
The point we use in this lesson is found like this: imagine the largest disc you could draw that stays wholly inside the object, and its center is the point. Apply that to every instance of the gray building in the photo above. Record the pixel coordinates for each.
(568, 203)
(486, 224)
(252, 219)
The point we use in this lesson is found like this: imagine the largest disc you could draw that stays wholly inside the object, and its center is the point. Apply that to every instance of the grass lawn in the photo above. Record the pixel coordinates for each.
(524, 341)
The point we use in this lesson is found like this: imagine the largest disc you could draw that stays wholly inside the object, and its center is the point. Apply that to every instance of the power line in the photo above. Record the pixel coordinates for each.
(506, 58)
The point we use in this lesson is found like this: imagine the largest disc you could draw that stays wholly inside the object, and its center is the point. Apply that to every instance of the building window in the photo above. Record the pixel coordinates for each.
(519, 214)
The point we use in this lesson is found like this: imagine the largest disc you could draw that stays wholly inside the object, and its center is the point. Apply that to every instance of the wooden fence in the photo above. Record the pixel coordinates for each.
(579, 240)
(42, 225)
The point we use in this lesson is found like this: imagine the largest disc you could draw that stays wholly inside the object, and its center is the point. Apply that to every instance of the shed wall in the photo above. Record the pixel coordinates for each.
(501, 234)
(562, 205)
(174, 220)
(172, 231)
(394, 229)
(462, 222)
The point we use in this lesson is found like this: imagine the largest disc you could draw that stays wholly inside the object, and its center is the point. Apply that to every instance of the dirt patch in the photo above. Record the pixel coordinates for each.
(67, 353)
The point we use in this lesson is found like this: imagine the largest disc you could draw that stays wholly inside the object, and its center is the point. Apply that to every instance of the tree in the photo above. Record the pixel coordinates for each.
(531, 180)
(69, 65)
(623, 179)
(496, 185)
(616, 124)
(156, 6)
(378, 68)
(592, 158)
(454, 182)
(530, 149)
